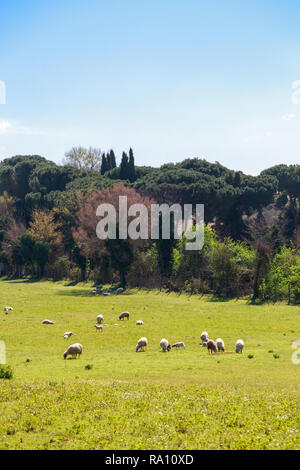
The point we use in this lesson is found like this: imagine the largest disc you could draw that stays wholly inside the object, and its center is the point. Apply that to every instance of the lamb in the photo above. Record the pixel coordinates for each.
(48, 322)
(99, 328)
(124, 315)
(204, 336)
(211, 346)
(139, 322)
(220, 344)
(100, 319)
(180, 344)
(239, 346)
(141, 344)
(73, 350)
(164, 344)
(68, 334)
(8, 309)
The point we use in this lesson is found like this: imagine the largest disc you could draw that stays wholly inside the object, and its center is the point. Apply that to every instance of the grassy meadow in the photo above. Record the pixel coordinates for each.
(184, 399)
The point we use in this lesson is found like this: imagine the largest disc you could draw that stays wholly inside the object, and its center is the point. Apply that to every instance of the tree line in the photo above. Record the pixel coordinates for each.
(47, 224)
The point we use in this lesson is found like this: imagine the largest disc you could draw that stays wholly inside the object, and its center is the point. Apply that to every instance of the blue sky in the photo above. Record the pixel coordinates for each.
(170, 78)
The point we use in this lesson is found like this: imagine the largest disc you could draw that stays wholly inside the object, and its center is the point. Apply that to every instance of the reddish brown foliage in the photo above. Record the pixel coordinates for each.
(85, 232)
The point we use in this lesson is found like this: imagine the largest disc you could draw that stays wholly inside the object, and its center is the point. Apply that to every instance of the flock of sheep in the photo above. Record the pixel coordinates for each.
(218, 345)
(212, 346)
(75, 349)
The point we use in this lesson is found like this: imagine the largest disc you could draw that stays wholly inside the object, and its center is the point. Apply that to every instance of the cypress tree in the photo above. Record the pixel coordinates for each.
(131, 170)
(124, 167)
(112, 156)
(103, 164)
(108, 162)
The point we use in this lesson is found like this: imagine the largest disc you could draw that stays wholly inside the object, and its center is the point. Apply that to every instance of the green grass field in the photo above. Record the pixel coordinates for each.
(184, 399)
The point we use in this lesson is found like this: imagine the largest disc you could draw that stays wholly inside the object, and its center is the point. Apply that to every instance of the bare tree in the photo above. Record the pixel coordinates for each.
(83, 158)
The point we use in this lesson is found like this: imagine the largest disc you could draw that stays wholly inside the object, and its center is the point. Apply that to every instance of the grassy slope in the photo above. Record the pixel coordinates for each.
(183, 399)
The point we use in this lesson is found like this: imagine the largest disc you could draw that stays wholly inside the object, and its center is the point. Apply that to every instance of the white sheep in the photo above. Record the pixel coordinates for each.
(8, 309)
(73, 350)
(204, 336)
(100, 319)
(68, 334)
(220, 345)
(164, 344)
(180, 344)
(141, 344)
(124, 315)
(239, 346)
(48, 322)
(139, 322)
(99, 328)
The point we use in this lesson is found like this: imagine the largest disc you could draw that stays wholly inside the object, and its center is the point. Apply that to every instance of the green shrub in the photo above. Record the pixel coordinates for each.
(89, 366)
(60, 269)
(6, 372)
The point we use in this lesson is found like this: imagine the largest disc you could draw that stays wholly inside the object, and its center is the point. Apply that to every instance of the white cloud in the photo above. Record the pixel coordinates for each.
(10, 128)
(288, 117)
(4, 125)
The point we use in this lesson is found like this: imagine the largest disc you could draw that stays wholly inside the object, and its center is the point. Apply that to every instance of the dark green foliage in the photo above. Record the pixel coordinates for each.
(131, 169)
(41, 256)
(104, 165)
(6, 372)
(122, 255)
(124, 167)
(80, 260)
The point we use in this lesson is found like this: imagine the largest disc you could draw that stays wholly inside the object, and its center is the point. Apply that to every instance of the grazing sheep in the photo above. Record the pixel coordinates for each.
(8, 309)
(141, 344)
(239, 346)
(124, 315)
(180, 344)
(73, 350)
(220, 344)
(211, 346)
(204, 345)
(204, 336)
(164, 344)
(100, 319)
(68, 334)
(48, 322)
(99, 328)
(119, 290)
(139, 322)
(105, 293)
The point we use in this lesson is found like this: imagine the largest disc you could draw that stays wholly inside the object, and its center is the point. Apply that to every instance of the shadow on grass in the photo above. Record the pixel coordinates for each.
(220, 299)
(86, 293)
(21, 281)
